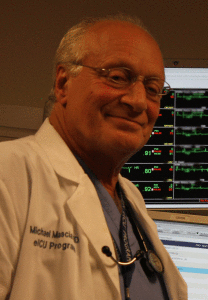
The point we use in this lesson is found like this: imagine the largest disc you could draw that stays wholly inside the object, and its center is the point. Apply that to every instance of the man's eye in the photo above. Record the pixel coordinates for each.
(152, 88)
(119, 76)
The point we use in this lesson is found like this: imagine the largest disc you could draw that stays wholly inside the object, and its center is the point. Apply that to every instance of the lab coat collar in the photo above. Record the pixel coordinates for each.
(59, 154)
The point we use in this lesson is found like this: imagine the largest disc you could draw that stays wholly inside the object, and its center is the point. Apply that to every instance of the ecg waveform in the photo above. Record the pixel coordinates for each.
(187, 151)
(191, 172)
(191, 99)
(193, 133)
(193, 114)
(191, 154)
(191, 169)
(190, 190)
(191, 117)
(186, 135)
(192, 96)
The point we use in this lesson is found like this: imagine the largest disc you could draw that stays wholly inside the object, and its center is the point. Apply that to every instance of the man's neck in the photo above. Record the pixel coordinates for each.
(111, 188)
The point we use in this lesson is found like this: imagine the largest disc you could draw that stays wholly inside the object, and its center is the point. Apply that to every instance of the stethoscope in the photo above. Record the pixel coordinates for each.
(149, 260)
(152, 261)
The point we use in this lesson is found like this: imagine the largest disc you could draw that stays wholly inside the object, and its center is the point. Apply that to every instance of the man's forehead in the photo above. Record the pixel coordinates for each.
(123, 41)
(103, 31)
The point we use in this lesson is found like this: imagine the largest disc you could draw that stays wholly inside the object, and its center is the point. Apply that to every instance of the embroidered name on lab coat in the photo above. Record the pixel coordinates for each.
(52, 234)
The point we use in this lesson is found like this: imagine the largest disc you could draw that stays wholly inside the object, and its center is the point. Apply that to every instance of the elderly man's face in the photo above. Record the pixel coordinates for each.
(100, 118)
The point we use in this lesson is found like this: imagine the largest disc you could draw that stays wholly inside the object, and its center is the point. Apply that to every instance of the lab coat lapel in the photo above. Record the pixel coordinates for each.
(87, 210)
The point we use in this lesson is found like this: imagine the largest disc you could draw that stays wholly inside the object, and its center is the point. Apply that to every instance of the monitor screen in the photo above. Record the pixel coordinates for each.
(185, 238)
(171, 171)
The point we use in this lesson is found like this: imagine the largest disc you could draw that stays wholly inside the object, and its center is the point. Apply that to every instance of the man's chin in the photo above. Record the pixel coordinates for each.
(128, 147)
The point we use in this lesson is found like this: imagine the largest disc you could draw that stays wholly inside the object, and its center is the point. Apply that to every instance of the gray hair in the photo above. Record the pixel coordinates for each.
(72, 49)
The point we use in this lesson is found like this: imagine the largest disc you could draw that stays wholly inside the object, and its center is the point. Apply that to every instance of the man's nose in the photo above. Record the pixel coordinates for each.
(136, 97)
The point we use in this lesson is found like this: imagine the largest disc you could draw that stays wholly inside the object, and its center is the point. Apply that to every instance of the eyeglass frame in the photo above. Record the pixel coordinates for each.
(133, 80)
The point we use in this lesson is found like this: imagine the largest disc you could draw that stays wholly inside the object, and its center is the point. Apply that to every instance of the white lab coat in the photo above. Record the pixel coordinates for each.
(52, 226)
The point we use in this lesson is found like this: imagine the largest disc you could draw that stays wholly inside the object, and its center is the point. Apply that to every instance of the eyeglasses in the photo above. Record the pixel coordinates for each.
(122, 77)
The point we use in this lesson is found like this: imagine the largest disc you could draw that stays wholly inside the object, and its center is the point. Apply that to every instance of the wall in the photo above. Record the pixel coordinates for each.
(31, 31)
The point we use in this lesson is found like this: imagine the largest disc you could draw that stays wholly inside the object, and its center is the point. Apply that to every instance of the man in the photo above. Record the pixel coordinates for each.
(62, 197)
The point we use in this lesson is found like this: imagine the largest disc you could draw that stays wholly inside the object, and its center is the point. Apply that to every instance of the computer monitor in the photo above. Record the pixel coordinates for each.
(185, 237)
(171, 171)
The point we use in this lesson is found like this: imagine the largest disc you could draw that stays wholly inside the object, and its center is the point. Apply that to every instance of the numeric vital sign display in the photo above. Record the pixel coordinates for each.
(172, 169)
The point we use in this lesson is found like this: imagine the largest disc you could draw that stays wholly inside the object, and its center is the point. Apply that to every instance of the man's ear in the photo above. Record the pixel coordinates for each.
(62, 77)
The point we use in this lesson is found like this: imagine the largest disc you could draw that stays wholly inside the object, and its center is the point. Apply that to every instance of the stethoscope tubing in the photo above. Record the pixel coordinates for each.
(149, 255)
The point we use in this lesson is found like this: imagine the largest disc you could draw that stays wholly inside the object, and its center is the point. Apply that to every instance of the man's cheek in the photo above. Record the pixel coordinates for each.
(153, 112)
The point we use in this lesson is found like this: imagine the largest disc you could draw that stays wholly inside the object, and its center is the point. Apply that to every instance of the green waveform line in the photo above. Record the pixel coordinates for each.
(191, 188)
(193, 133)
(190, 169)
(193, 150)
(191, 96)
(190, 115)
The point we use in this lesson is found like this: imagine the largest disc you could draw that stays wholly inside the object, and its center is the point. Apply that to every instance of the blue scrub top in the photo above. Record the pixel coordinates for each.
(141, 287)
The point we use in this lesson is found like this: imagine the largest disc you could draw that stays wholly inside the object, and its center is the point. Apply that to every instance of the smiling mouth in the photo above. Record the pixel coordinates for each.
(125, 119)
(126, 123)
